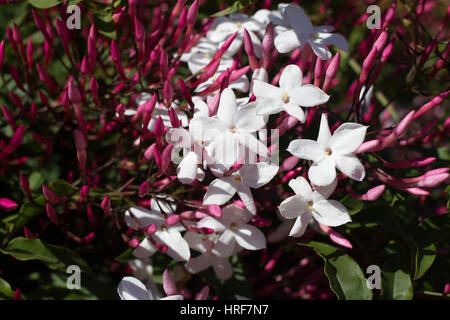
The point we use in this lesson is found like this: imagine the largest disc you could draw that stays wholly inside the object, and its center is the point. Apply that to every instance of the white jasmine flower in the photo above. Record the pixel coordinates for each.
(248, 176)
(307, 205)
(132, 289)
(289, 96)
(233, 228)
(301, 31)
(332, 151)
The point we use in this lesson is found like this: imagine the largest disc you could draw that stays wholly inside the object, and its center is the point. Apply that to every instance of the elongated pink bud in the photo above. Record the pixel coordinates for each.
(39, 23)
(417, 191)
(433, 181)
(9, 117)
(401, 128)
(15, 75)
(29, 55)
(134, 243)
(159, 127)
(169, 284)
(149, 152)
(225, 46)
(332, 71)
(51, 213)
(43, 75)
(168, 93)
(14, 143)
(185, 91)
(163, 64)
(336, 237)
(84, 192)
(267, 45)
(289, 163)
(202, 294)
(172, 219)
(25, 184)
(139, 31)
(73, 92)
(106, 205)
(92, 50)
(144, 188)
(381, 41)
(2, 54)
(49, 195)
(174, 121)
(431, 104)
(80, 140)
(192, 13)
(248, 45)
(151, 229)
(368, 64)
(7, 204)
(93, 86)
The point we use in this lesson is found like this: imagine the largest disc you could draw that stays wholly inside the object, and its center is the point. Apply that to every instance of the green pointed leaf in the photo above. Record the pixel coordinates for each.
(5, 290)
(237, 5)
(44, 4)
(353, 205)
(346, 278)
(104, 23)
(55, 257)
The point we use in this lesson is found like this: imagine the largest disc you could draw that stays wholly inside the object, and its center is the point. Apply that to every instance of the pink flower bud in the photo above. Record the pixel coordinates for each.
(149, 152)
(151, 229)
(106, 205)
(49, 195)
(139, 31)
(169, 284)
(93, 86)
(192, 13)
(185, 92)
(202, 294)
(92, 50)
(433, 181)
(73, 92)
(172, 219)
(431, 104)
(25, 184)
(267, 45)
(51, 213)
(144, 188)
(84, 192)
(80, 141)
(159, 127)
(381, 40)
(163, 64)
(134, 243)
(174, 121)
(7, 204)
(336, 237)
(168, 93)
(2, 54)
(401, 128)
(289, 163)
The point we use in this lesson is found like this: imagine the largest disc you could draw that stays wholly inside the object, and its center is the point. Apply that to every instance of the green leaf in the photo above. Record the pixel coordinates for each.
(237, 5)
(104, 23)
(5, 290)
(425, 257)
(353, 205)
(395, 279)
(55, 257)
(346, 278)
(44, 4)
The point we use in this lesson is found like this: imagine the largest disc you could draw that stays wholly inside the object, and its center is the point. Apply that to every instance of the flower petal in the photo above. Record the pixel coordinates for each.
(293, 207)
(246, 119)
(324, 192)
(258, 174)
(187, 169)
(263, 89)
(131, 288)
(199, 263)
(196, 241)
(266, 106)
(297, 18)
(246, 196)
(286, 41)
(173, 297)
(178, 248)
(347, 138)
(306, 149)
(253, 144)
(351, 166)
(212, 223)
(322, 173)
(227, 106)
(334, 39)
(301, 187)
(320, 49)
(143, 216)
(249, 237)
(308, 95)
(224, 247)
(299, 227)
(222, 267)
(295, 111)
(331, 213)
(290, 78)
(145, 249)
(324, 132)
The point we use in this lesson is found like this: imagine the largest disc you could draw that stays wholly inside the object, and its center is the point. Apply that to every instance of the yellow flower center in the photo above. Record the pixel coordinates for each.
(233, 226)
(328, 152)
(239, 25)
(233, 129)
(207, 54)
(164, 227)
(238, 179)
(310, 205)
(286, 98)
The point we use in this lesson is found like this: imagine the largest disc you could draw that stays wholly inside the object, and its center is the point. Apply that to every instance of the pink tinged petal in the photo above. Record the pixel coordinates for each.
(331, 213)
(308, 96)
(143, 216)
(334, 39)
(178, 248)
(266, 106)
(324, 29)
(324, 132)
(301, 187)
(293, 207)
(306, 149)
(351, 166)
(246, 196)
(290, 78)
(324, 192)
(281, 232)
(295, 111)
(198, 264)
(196, 241)
(236, 213)
(347, 138)
(227, 106)
(202, 294)
(212, 223)
(187, 169)
(132, 289)
(249, 237)
(224, 247)
(223, 269)
(169, 284)
(226, 148)
(262, 89)
(174, 297)
(145, 249)
(320, 50)
(299, 227)
(322, 173)
(258, 174)
(297, 18)
(286, 41)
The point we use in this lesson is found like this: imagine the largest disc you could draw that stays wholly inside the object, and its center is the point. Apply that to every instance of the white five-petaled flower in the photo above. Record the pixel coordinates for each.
(300, 31)
(131, 288)
(223, 27)
(307, 205)
(248, 176)
(332, 151)
(204, 244)
(289, 96)
(169, 235)
(232, 129)
(233, 228)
